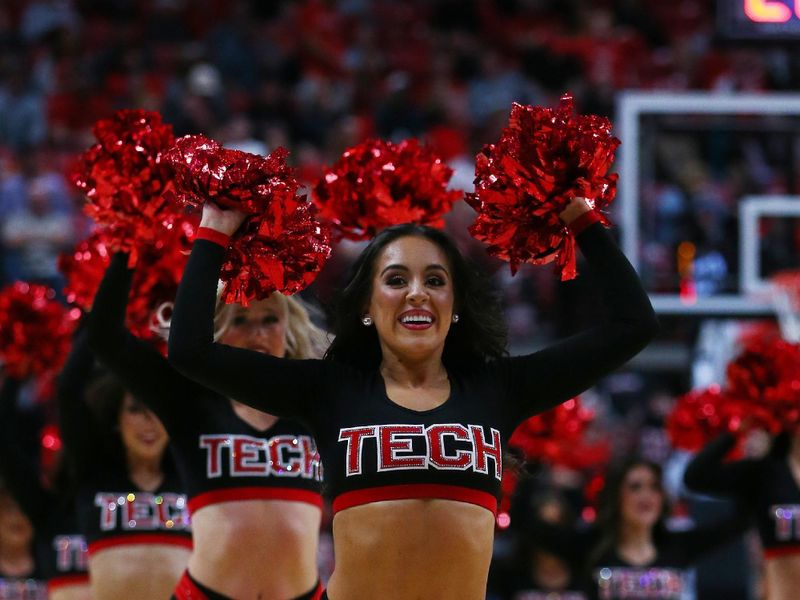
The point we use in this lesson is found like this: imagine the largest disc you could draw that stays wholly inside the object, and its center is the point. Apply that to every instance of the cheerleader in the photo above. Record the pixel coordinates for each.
(770, 488)
(131, 507)
(21, 575)
(59, 550)
(253, 480)
(633, 556)
(412, 407)
(545, 567)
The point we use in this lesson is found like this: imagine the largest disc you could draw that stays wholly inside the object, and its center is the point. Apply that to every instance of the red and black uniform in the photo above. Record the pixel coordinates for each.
(608, 576)
(219, 456)
(33, 587)
(59, 549)
(112, 510)
(765, 485)
(374, 449)
(667, 577)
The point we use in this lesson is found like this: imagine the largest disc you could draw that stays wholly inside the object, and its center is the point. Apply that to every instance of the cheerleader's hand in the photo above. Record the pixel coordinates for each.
(575, 209)
(225, 221)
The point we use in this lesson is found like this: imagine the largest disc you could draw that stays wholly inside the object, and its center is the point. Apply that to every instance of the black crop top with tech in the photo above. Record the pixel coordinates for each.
(611, 577)
(667, 577)
(59, 550)
(111, 509)
(219, 456)
(374, 449)
(766, 485)
(23, 588)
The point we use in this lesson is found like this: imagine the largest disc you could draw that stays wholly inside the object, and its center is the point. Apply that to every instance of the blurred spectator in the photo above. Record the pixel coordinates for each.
(35, 235)
(22, 111)
(19, 576)
(43, 17)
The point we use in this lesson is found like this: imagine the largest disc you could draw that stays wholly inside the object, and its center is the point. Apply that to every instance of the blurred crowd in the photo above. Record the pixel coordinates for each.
(317, 76)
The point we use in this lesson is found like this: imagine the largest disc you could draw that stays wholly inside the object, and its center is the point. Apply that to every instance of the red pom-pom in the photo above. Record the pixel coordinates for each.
(35, 329)
(84, 267)
(767, 375)
(204, 170)
(697, 418)
(377, 184)
(156, 281)
(160, 266)
(701, 415)
(762, 391)
(282, 250)
(125, 179)
(544, 158)
(282, 246)
(559, 437)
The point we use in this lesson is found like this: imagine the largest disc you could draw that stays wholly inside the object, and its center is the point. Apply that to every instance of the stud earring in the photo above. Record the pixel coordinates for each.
(366, 320)
(455, 318)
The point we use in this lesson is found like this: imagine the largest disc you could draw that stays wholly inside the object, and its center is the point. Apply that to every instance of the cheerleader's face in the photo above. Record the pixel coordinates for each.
(642, 497)
(143, 435)
(412, 298)
(260, 327)
(15, 529)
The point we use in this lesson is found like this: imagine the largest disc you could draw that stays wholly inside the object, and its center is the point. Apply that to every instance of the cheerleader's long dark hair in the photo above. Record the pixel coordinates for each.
(609, 514)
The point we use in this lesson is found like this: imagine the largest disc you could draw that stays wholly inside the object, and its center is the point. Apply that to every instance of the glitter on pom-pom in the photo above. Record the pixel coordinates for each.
(543, 159)
(378, 183)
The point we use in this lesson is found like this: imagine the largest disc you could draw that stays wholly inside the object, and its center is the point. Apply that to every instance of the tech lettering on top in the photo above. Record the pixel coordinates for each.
(142, 511)
(787, 521)
(444, 447)
(248, 456)
(71, 552)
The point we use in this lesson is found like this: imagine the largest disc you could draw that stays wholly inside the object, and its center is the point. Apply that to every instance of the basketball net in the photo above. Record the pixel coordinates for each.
(786, 301)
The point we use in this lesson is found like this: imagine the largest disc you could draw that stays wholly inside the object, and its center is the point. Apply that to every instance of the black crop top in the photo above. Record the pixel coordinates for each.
(23, 588)
(374, 449)
(60, 551)
(666, 577)
(219, 456)
(766, 485)
(112, 510)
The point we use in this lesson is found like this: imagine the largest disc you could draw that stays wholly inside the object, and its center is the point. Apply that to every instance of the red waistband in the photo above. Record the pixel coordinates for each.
(184, 541)
(777, 551)
(416, 490)
(63, 581)
(254, 493)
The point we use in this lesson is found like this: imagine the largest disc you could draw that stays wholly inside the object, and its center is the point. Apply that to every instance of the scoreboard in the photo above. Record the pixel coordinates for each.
(777, 20)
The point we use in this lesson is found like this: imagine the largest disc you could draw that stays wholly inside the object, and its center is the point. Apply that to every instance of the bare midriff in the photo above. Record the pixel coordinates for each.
(137, 571)
(78, 591)
(426, 549)
(782, 577)
(256, 548)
